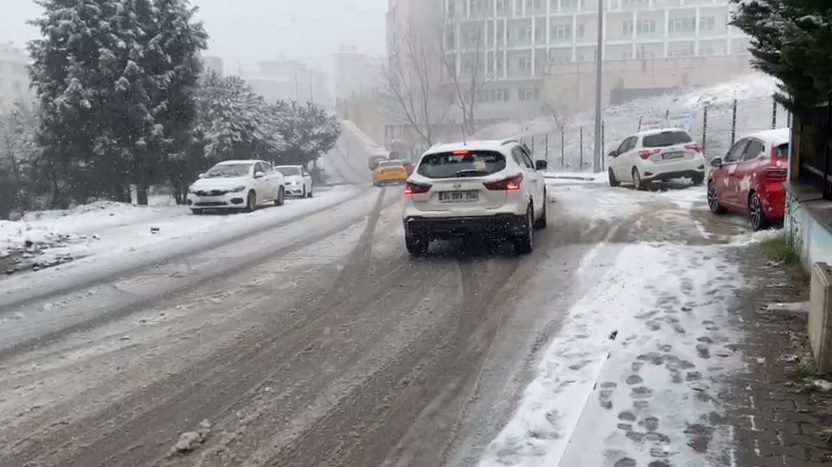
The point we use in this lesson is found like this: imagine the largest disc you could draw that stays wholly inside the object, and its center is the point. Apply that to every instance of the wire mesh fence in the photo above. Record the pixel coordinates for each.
(715, 122)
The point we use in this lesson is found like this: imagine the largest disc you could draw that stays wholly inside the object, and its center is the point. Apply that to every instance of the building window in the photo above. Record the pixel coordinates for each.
(627, 28)
(707, 51)
(528, 94)
(707, 23)
(634, 2)
(525, 64)
(534, 6)
(493, 95)
(526, 34)
(579, 33)
(562, 31)
(680, 53)
(503, 5)
(645, 53)
(646, 26)
(682, 25)
(570, 5)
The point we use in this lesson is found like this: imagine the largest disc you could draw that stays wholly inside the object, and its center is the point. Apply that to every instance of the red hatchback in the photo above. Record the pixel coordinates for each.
(749, 179)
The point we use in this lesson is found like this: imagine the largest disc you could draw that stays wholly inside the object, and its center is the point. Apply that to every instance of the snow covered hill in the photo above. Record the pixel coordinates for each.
(755, 107)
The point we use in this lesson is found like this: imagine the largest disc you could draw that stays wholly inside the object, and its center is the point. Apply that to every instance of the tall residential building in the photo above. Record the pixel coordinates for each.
(291, 80)
(356, 74)
(14, 77)
(522, 43)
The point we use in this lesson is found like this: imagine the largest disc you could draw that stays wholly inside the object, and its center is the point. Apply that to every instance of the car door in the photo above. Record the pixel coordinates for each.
(622, 162)
(743, 174)
(539, 180)
(264, 191)
(727, 188)
(530, 176)
(273, 177)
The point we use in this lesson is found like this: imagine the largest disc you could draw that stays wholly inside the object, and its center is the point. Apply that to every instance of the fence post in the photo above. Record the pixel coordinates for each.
(734, 124)
(562, 142)
(640, 119)
(705, 128)
(546, 142)
(532, 146)
(774, 115)
(582, 149)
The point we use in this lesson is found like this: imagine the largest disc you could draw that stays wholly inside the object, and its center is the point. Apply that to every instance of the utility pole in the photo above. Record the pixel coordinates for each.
(599, 62)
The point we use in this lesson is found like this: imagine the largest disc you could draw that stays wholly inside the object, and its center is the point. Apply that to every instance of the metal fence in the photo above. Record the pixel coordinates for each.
(716, 124)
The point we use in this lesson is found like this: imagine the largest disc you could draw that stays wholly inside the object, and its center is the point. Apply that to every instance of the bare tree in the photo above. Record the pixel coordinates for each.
(413, 86)
(561, 115)
(467, 71)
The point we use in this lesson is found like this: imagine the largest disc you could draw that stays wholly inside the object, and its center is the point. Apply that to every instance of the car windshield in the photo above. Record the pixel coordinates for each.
(461, 164)
(288, 171)
(667, 138)
(228, 171)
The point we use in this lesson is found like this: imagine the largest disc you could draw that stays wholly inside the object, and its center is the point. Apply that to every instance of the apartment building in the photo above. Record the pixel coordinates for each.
(14, 77)
(522, 43)
(356, 74)
(291, 80)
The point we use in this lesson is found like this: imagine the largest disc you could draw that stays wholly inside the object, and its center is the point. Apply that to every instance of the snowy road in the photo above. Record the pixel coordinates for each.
(317, 342)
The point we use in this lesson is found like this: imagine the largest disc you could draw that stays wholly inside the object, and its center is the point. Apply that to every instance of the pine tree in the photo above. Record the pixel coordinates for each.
(791, 40)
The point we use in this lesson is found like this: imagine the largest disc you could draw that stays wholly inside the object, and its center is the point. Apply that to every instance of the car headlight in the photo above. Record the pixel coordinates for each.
(237, 189)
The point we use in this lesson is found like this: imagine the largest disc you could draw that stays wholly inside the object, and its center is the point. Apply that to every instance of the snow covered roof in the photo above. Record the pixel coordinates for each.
(480, 145)
(776, 137)
(241, 161)
(656, 131)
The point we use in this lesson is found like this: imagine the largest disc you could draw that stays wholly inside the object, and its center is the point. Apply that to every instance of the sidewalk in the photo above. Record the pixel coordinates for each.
(773, 417)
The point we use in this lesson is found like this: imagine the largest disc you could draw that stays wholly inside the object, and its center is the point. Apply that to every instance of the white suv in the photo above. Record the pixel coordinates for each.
(479, 187)
(657, 155)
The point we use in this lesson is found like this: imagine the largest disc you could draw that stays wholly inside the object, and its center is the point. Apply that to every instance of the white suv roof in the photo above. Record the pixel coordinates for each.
(479, 145)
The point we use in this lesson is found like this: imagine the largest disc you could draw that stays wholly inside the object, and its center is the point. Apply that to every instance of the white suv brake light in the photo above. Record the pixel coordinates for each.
(507, 184)
(412, 188)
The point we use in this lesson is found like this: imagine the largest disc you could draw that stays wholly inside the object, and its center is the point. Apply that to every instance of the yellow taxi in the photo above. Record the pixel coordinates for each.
(389, 172)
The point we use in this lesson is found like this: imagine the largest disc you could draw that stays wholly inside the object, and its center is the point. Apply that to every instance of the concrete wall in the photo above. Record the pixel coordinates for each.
(573, 84)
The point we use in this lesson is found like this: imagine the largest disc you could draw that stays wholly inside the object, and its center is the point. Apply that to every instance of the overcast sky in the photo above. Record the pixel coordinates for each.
(252, 30)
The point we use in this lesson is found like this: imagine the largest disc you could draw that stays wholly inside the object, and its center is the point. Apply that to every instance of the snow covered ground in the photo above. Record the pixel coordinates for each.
(754, 113)
(111, 229)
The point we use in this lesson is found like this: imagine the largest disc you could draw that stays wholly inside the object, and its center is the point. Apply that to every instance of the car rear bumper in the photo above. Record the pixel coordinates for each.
(451, 227)
(670, 175)
(773, 197)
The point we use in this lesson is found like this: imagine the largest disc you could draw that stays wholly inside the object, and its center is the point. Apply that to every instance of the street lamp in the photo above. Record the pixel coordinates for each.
(599, 62)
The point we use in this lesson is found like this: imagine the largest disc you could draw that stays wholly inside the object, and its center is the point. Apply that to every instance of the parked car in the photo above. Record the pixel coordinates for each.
(657, 155)
(239, 185)
(373, 161)
(297, 179)
(389, 172)
(750, 178)
(480, 187)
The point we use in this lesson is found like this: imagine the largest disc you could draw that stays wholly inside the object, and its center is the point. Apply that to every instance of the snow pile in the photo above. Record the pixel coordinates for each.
(754, 113)
(755, 237)
(631, 376)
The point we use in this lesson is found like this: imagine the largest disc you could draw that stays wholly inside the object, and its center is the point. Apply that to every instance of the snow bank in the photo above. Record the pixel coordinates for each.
(755, 237)
(629, 378)
(110, 229)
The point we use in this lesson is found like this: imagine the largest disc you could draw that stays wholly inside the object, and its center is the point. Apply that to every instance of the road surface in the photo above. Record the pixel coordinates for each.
(314, 343)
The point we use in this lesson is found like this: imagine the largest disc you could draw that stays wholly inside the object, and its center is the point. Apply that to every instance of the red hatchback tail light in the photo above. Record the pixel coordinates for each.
(694, 147)
(412, 188)
(775, 174)
(506, 184)
(645, 154)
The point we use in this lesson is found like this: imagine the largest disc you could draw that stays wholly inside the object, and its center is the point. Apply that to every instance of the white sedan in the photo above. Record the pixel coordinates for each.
(237, 185)
(298, 180)
(657, 155)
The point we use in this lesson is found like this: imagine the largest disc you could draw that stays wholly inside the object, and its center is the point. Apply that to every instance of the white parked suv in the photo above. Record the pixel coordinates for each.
(237, 185)
(298, 180)
(657, 155)
(479, 187)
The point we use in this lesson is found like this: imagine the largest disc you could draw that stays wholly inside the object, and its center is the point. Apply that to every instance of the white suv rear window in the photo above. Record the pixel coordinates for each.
(667, 138)
(461, 164)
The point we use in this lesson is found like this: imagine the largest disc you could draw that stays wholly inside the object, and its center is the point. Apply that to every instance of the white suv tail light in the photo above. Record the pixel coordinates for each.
(412, 188)
(507, 184)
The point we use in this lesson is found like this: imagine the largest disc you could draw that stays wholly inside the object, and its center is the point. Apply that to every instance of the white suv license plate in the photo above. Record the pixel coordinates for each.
(673, 155)
(459, 196)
